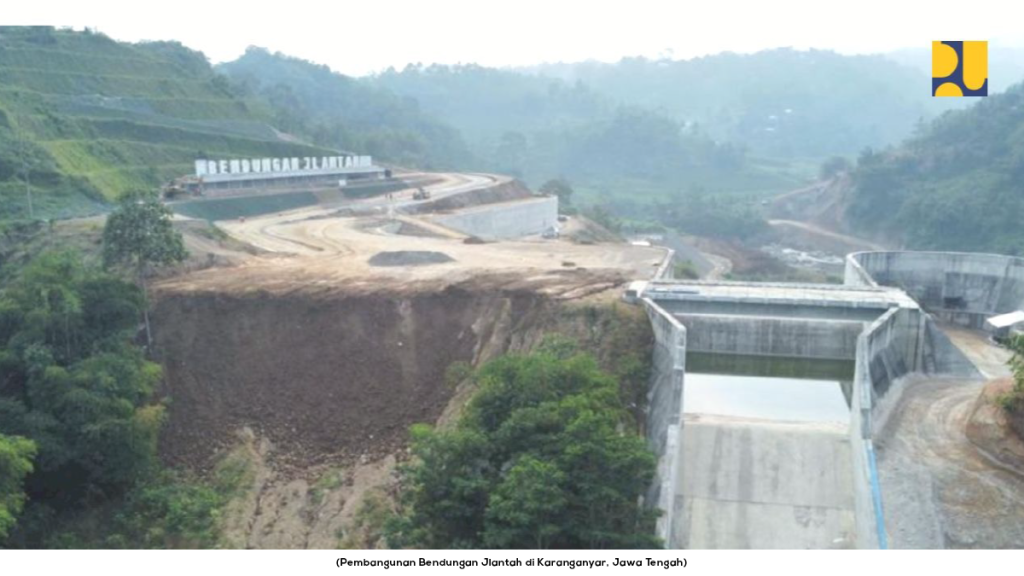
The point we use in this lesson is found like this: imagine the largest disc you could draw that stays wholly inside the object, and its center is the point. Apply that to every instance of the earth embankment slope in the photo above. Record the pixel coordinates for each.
(313, 361)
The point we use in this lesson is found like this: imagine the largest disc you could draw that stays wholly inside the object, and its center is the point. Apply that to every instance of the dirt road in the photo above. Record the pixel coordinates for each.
(818, 230)
(939, 490)
(316, 246)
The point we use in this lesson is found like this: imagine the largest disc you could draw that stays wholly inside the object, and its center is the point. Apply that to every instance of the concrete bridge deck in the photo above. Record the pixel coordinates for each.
(823, 295)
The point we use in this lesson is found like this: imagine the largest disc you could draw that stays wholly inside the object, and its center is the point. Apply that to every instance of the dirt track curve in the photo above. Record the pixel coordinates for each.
(939, 489)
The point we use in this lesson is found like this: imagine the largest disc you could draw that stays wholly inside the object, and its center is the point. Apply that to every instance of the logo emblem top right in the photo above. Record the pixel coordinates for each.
(959, 68)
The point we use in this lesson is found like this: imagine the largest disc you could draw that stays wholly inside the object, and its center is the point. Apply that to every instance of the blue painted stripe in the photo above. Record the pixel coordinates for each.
(876, 497)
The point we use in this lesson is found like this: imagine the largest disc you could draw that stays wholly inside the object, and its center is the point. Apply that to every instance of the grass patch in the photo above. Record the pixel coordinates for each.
(332, 479)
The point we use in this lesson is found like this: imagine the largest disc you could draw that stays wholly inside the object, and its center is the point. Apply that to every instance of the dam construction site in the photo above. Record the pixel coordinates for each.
(782, 415)
(427, 286)
(308, 341)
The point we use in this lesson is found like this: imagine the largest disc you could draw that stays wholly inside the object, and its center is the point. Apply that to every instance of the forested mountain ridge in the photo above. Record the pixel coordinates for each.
(957, 185)
(782, 102)
(338, 111)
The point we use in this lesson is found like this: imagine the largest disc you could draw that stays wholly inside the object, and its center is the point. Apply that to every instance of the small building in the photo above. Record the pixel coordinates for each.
(1005, 325)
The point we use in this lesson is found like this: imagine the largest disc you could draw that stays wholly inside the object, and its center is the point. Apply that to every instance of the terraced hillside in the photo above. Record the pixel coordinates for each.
(88, 118)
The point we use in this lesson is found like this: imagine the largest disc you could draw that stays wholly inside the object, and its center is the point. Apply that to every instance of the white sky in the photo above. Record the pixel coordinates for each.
(360, 37)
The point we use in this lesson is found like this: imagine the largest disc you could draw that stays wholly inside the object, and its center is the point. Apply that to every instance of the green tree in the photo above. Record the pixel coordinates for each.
(72, 382)
(604, 217)
(141, 234)
(559, 187)
(1013, 401)
(833, 167)
(16, 455)
(527, 508)
(545, 456)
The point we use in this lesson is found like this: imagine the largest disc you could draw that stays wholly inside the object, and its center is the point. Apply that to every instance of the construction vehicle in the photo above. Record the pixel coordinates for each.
(182, 187)
(421, 194)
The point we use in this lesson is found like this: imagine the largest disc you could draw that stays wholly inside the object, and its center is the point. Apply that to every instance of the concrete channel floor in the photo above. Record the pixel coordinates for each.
(763, 484)
(938, 489)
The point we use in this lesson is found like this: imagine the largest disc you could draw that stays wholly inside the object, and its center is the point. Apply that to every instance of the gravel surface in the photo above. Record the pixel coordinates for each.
(938, 489)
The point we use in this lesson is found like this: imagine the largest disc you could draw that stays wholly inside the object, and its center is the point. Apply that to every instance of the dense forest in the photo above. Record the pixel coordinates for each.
(546, 455)
(337, 111)
(530, 127)
(783, 102)
(80, 411)
(956, 185)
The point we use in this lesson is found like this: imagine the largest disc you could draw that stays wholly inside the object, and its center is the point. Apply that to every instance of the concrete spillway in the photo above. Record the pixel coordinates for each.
(735, 481)
(761, 484)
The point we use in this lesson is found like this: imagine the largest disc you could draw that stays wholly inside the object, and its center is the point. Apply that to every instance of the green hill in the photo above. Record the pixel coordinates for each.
(484, 103)
(537, 128)
(335, 110)
(780, 103)
(957, 185)
(91, 118)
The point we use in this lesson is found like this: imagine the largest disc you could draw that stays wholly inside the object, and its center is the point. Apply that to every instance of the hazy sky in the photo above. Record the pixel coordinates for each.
(360, 37)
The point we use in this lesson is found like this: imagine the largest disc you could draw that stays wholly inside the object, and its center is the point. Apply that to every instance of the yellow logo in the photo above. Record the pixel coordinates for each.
(959, 68)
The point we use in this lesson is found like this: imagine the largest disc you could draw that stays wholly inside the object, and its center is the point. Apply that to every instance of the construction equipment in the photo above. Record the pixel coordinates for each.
(421, 194)
(182, 187)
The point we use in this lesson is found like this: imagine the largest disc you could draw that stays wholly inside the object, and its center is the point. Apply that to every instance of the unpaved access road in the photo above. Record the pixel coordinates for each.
(321, 247)
(939, 490)
(818, 230)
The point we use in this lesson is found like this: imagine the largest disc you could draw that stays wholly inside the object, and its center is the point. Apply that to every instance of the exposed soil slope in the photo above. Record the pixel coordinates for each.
(317, 361)
(320, 376)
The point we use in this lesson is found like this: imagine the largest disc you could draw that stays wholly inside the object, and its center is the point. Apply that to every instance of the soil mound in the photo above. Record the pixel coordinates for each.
(991, 429)
(409, 258)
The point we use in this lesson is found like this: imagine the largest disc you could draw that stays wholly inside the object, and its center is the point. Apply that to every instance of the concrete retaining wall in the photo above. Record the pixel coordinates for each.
(941, 356)
(505, 220)
(867, 495)
(960, 288)
(763, 336)
(855, 275)
(890, 349)
(665, 410)
(892, 346)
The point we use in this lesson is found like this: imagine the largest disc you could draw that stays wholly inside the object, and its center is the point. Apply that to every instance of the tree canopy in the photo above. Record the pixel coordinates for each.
(73, 384)
(140, 232)
(15, 464)
(558, 187)
(954, 186)
(544, 457)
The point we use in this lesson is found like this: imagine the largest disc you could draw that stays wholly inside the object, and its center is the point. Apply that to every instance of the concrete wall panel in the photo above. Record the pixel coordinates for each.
(765, 336)
(505, 220)
(961, 288)
(664, 412)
